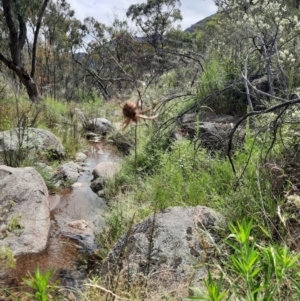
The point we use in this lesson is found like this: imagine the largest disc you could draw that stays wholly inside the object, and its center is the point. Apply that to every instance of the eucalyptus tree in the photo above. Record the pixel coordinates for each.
(13, 36)
(60, 33)
(155, 19)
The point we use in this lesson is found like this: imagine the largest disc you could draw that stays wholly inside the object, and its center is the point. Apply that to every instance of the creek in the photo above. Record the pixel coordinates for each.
(67, 257)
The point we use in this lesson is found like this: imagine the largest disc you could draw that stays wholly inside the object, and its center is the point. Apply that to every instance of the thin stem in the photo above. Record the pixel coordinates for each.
(135, 153)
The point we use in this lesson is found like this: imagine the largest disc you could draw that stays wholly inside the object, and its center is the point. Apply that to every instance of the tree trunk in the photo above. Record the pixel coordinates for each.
(29, 84)
(24, 77)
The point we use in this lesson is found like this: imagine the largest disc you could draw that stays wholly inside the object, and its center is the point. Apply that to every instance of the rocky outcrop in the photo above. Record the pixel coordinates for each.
(166, 247)
(30, 140)
(98, 125)
(25, 214)
(213, 130)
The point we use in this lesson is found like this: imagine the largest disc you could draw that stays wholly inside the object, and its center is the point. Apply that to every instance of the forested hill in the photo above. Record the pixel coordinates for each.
(200, 24)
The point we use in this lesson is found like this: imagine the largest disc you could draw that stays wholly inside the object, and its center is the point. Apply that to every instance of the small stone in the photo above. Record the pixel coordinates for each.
(80, 157)
(77, 184)
(97, 185)
(101, 193)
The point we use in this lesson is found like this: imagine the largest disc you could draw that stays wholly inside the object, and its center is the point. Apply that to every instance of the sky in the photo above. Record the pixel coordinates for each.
(104, 10)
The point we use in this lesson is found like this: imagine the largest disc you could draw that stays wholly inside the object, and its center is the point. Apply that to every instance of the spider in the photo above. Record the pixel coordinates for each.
(132, 112)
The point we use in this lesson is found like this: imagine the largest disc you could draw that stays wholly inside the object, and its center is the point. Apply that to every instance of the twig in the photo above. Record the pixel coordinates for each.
(106, 290)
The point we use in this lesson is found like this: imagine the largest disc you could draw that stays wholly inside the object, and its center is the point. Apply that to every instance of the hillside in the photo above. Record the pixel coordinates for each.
(200, 24)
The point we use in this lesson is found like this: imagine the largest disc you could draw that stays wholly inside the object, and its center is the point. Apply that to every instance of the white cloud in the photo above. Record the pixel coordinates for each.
(104, 10)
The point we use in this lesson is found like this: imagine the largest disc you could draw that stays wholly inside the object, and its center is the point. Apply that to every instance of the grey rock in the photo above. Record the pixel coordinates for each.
(101, 193)
(76, 185)
(80, 157)
(213, 130)
(81, 232)
(31, 140)
(25, 196)
(166, 247)
(69, 172)
(106, 170)
(98, 125)
(97, 185)
(91, 135)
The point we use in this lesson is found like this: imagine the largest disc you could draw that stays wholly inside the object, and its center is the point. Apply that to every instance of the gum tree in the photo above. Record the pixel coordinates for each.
(14, 30)
(154, 19)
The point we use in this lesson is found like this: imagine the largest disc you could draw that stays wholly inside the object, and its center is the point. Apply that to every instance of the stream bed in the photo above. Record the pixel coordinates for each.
(65, 256)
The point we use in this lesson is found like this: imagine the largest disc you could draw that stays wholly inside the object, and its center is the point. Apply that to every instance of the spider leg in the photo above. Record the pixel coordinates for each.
(146, 117)
(145, 111)
(126, 123)
(138, 103)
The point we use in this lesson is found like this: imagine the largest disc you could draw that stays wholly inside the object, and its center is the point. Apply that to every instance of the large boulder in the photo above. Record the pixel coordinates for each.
(24, 214)
(30, 140)
(98, 125)
(213, 130)
(166, 248)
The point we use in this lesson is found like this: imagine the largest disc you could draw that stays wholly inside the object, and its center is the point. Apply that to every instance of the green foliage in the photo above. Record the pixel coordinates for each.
(14, 224)
(14, 158)
(124, 213)
(40, 282)
(212, 78)
(63, 121)
(4, 118)
(255, 272)
(213, 288)
(7, 255)
(179, 173)
(150, 147)
(263, 269)
(215, 90)
(93, 109)
(186, 178)
(47, 177)
(155, 18)
(54, 112)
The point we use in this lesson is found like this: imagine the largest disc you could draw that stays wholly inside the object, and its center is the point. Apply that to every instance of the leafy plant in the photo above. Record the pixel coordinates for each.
(40, 282)
(213, 290)
(254, 272)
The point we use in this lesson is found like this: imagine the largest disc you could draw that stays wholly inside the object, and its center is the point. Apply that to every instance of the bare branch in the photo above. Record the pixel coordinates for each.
(284, 105)
(246, 81)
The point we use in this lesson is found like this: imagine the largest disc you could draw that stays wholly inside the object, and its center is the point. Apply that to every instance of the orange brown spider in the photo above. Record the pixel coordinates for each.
(132, 112)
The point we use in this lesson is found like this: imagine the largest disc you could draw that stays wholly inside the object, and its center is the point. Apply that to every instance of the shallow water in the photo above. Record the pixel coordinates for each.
(63, 254)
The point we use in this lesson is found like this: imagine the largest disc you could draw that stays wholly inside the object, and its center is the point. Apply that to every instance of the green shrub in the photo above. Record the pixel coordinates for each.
(254, 271)
(40, 282)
